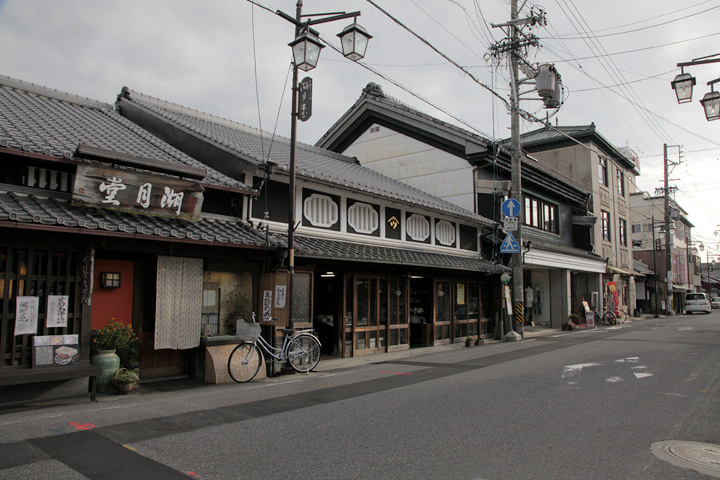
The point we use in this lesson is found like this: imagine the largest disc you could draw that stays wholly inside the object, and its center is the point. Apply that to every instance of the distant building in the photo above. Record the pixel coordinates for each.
(648, 236)
(584, 155)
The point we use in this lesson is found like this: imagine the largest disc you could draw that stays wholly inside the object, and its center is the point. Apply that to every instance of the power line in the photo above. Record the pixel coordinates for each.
(581, 37)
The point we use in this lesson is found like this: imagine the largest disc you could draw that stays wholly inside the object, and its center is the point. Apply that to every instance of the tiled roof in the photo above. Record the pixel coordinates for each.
(54, 211)
(330, 249)
(373, 93)
(374, 104)
(44, 121)
(311, 162)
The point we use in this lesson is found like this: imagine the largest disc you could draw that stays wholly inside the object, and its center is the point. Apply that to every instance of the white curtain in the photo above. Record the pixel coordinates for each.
(178, 310)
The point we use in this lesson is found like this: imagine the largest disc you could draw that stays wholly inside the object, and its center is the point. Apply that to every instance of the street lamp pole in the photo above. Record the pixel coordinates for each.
(291, 183)
(306, 51)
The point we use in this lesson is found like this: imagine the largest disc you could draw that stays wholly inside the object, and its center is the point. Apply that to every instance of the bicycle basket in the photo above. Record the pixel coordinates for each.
(248, 332)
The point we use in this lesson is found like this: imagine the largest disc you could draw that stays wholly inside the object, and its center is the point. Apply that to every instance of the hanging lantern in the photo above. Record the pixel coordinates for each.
(711, 104)
(306, 50)
(354, 40)
(683, 86)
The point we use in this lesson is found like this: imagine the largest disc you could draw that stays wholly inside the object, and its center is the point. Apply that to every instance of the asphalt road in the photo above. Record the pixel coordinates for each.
(579, 405)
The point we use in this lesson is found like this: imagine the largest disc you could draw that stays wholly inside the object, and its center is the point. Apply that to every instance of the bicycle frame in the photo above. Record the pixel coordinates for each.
(280, 354)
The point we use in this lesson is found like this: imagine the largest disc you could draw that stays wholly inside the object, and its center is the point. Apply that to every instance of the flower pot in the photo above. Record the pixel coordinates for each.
(109, 362)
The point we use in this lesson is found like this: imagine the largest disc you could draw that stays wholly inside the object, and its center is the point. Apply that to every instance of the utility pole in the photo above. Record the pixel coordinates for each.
(669, 229)
(516, 172)
(668, 236)
(512, 46)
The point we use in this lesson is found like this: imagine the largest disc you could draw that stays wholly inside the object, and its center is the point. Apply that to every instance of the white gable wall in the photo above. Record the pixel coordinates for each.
(416, 164)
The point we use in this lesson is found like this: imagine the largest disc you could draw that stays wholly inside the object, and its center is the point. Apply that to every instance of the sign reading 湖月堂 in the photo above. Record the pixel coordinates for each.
(137, 192)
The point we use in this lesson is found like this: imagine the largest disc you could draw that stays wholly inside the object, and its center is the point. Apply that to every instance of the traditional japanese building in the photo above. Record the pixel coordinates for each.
(100, 219)
(379, 265)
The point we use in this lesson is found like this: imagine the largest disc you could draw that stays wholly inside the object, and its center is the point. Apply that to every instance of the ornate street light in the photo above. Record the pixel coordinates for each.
(711, 104)
(306, 53)
(306, 50)
(354, 40)
(683, 86)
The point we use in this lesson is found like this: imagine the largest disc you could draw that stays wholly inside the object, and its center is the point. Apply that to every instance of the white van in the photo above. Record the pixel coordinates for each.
(697, 302)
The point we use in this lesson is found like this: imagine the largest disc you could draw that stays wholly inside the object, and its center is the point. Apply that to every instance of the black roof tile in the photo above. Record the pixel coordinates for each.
(311, 162)
(55, 210)
(44, 121)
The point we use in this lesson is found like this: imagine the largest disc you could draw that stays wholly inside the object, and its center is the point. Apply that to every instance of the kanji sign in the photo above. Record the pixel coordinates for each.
(305, 99)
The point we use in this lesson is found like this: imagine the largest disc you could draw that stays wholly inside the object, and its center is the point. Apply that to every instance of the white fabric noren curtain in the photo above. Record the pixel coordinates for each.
(178, 309)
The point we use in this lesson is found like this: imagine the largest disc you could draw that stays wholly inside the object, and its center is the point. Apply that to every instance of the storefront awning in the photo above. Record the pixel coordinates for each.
(331, 249)
(621, 271)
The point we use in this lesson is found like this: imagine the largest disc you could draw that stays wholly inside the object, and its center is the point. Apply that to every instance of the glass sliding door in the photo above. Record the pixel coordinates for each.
(398, 326)
(367, 336)
(443, 311)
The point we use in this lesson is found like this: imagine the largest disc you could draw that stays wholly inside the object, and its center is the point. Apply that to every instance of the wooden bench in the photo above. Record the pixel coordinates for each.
(24, 376)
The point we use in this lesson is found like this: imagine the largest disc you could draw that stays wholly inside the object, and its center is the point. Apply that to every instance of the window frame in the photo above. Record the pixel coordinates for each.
(605, 225)
(622, 232)
(603, 171)
(536, 211)
(621, 182)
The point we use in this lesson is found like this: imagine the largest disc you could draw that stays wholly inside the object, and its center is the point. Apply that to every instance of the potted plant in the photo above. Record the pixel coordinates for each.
(124, 380)
(469, 342)
(115, 335)
(479, 341)
(572, 320)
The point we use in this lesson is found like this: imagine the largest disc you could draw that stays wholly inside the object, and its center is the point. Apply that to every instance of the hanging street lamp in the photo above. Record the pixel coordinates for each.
(306, 50)
(711, 104)
(354, 40)
(683, 86)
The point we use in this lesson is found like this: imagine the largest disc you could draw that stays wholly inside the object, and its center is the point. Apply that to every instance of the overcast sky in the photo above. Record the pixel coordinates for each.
(231, 59)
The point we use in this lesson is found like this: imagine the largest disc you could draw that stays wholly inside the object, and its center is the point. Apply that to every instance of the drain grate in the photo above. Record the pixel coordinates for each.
(701, 457)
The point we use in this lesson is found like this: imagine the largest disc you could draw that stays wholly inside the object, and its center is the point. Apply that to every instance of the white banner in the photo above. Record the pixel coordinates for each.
(57, 311)
(26, 315)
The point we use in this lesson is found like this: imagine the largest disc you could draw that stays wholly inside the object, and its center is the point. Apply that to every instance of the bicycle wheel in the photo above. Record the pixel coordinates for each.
(244, 362)
(303, 352)
(622, 318)
(609, 318)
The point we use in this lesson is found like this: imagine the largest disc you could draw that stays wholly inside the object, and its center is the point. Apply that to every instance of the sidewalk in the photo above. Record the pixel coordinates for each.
(327, 364)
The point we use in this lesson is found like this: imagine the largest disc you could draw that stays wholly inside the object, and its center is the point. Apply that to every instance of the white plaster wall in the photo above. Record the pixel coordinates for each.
(416, 164)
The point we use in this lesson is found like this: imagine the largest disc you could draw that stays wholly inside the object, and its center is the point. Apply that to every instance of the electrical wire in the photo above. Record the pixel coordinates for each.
(581, 37)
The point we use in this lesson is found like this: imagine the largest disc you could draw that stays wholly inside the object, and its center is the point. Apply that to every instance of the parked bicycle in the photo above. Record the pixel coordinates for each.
(300, 348)
(608, 317)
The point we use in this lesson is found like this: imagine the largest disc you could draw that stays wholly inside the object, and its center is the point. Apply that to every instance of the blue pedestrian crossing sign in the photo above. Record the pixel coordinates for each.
(510, 207)
(510, 245)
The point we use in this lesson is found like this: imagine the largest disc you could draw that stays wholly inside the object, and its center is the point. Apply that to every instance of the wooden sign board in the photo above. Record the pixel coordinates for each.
(136, 192)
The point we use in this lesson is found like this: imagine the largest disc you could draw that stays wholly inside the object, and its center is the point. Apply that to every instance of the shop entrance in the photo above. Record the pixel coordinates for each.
(421, 312)
(327, 310)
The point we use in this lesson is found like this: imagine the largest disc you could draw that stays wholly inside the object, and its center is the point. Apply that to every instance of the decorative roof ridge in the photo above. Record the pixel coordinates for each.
(53, 93)
(371, 90)
(178, 155)
(134, 95)
(150, 102)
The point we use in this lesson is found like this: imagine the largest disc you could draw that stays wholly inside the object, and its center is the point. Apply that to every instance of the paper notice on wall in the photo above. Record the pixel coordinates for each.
(267, 305)
(280, 292)
(57, 311)
(26, 315)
